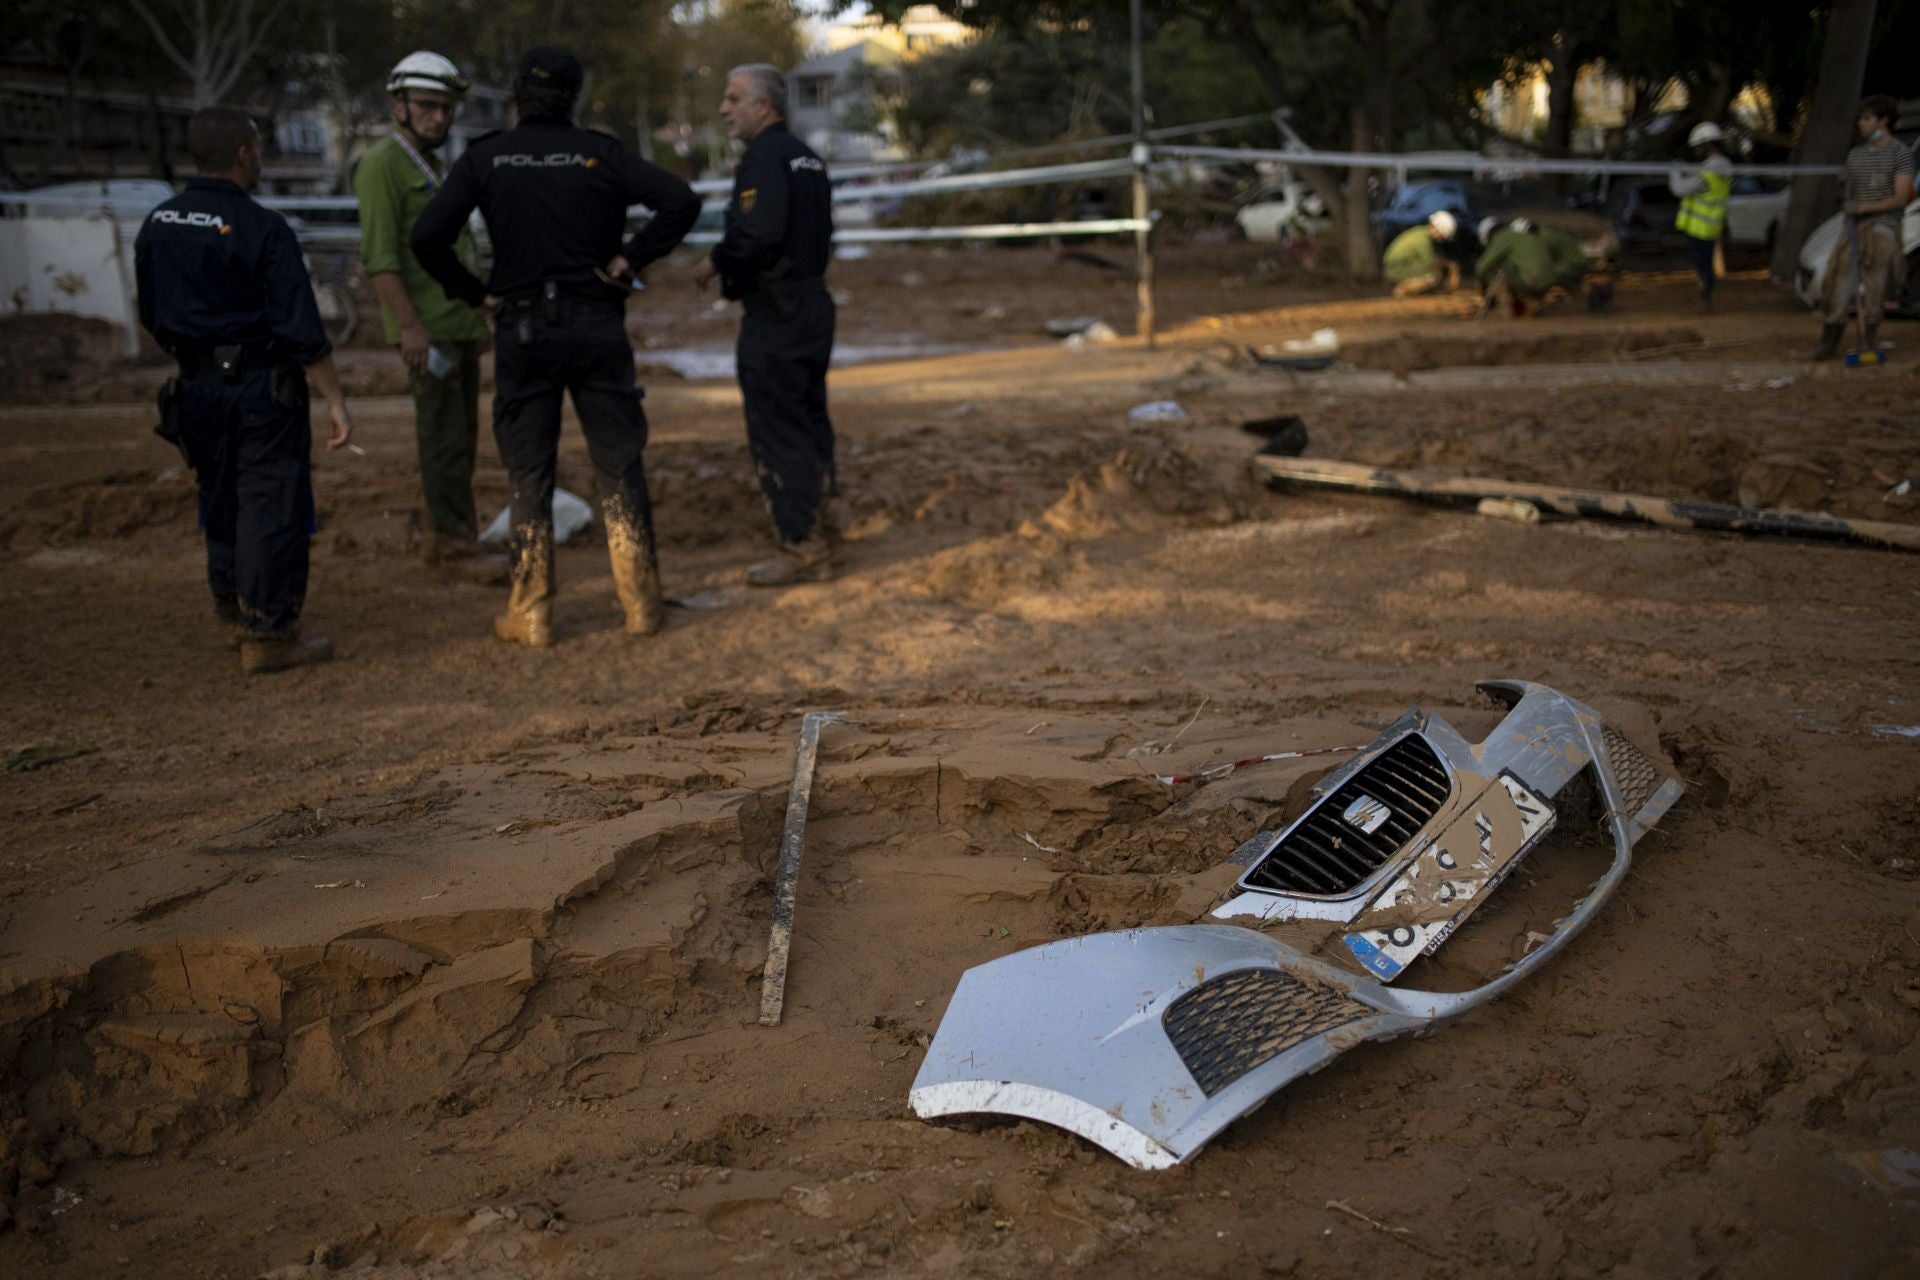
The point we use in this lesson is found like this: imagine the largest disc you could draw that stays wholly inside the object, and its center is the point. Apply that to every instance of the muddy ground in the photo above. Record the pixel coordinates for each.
(443, 960)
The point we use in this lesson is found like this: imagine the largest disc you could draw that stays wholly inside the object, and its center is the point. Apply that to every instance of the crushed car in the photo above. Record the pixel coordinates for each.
(1149, 1042)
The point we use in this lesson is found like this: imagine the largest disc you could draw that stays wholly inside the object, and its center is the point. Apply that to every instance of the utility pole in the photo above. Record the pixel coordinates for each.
(1143, 237)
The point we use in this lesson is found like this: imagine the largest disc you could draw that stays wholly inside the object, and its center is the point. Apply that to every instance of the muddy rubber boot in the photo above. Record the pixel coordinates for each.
(529, 616)
(809, 561)
(526, 621)
(233, 629)
(262, 654)
(637, 582)
(1829, 341)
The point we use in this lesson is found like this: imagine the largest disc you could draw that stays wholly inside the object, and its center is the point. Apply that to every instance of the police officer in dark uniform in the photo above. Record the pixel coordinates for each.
(555, 198)
(224, 289)
(773, 258)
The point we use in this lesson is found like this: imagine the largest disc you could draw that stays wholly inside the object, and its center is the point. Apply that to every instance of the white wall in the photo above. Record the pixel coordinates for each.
(71, 266)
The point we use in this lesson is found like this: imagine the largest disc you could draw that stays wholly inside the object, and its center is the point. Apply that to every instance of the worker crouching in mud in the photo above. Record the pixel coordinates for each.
(1418, 260)
(555, 199)
(1526, 265)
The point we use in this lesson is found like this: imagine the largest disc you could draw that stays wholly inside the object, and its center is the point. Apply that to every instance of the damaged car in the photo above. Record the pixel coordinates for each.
(1149, 1042)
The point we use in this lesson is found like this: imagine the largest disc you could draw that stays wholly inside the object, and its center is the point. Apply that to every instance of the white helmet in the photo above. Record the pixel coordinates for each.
(424, 70)
(1486, 229)
(1706, 132)
(1523, 225)
(1443, 222)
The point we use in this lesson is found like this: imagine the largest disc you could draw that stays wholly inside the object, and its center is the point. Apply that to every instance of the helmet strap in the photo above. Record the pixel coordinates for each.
(406, 123)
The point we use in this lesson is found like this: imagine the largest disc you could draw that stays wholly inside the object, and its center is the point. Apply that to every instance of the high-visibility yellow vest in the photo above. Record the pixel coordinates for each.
(1704, 214)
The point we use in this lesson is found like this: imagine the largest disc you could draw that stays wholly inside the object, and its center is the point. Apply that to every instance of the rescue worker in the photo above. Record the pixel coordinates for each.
(1867, 265)
(223, 288)
(1703, 202)
(1571, 267)
(773, 258)
(1414, 262)
(1516, 270)
(440, 338)
(555, 198)
(1569, 259)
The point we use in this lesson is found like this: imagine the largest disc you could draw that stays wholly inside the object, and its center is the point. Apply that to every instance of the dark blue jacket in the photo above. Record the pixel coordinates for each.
(780, 217)
(214, 268)
(555, 198)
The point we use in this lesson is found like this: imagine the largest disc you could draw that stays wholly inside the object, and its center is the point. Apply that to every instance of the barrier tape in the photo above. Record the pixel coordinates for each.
(1486, 166)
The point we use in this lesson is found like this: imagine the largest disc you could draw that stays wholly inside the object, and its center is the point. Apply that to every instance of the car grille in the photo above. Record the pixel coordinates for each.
(1325, 855)
(1229, 1025)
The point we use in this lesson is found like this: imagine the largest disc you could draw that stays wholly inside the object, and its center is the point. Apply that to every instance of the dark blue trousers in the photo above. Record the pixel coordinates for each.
(783, 383)
(582, 350)
(250, 452)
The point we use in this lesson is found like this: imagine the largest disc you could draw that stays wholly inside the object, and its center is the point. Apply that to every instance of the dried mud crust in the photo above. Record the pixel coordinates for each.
(512, 1034)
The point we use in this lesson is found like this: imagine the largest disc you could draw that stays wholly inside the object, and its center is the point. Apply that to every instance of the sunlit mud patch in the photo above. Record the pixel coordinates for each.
(585, 922)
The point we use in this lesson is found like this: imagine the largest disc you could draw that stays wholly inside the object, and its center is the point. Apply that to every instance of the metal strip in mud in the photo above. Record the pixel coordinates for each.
(773, 983)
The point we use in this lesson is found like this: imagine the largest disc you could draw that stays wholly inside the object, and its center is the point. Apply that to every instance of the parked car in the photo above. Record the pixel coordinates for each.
(1281, 210)
(1755, 209)
(1412, 203)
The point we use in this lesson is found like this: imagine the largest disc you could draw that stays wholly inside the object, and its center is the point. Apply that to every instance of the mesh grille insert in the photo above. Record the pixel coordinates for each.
(1638, 776)
(1324, 854)
(1226, 1027)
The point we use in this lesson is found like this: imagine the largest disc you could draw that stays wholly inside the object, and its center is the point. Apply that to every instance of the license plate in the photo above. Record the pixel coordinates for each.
(1458, 871)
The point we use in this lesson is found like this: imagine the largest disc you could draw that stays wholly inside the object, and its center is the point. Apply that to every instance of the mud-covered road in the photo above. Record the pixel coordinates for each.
(443, 959)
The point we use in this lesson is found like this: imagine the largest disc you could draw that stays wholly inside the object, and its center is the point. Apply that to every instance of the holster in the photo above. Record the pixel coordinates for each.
(288, 384)
(169, 428)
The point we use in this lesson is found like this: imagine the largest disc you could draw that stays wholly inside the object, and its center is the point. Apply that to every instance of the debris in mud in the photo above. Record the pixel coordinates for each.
(1099, 333)
(1328, 473)
(1219, 771)
(29, 759)
(1157, 411)
(1518, 510)
(1285, 436)
(1150, 1042)
(571, 514)
(1301, 355)
(1067, 326)
(793, 842)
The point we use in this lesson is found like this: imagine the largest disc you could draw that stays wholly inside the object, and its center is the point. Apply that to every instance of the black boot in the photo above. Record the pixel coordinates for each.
(1829, 341)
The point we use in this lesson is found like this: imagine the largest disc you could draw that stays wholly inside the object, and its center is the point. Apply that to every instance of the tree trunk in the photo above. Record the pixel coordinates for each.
(1829, 131)
(1363, 264)
(1563, 76)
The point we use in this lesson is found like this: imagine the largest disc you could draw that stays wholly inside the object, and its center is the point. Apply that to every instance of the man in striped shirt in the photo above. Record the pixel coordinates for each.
(1870, 264)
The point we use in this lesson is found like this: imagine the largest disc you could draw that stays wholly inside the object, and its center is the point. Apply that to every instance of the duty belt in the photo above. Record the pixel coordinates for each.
(228, 358)
(783, 293)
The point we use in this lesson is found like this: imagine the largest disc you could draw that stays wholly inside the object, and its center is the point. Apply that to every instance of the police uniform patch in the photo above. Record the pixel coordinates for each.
(746, 199)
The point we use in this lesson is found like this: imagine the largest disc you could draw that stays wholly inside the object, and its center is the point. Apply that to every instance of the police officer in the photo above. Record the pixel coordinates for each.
(773, 258)
(555, 198)
(224, 289)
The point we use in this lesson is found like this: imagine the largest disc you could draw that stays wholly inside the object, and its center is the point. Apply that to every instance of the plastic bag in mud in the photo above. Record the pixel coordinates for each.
(571, 514)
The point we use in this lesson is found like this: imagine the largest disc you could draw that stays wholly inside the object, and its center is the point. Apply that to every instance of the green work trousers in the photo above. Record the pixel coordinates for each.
(446, 421)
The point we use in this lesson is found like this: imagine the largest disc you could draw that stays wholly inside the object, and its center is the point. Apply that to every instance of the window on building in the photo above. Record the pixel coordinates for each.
(815, 91)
